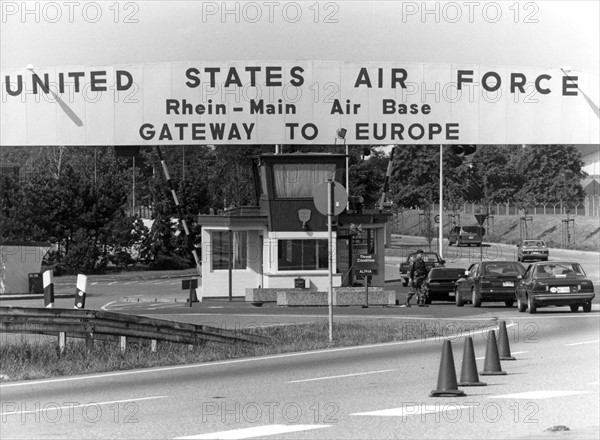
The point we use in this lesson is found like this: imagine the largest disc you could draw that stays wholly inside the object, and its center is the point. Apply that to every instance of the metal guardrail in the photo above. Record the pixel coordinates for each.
(107, 325)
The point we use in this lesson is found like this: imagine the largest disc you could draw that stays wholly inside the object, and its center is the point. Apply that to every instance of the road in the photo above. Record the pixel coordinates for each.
(379, 391)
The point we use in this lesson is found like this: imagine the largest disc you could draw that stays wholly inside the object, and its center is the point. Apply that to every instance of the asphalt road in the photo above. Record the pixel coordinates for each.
(377, 391)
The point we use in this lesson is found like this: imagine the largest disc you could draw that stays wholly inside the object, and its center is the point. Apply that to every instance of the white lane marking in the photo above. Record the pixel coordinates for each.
(341, 376)
(593, 383)
(94, 283)
(108, 305)
(56, 408)
(110, 284)
(412, 409)
(232, 361)
(538, 394)
(582, 343)
(255, 431)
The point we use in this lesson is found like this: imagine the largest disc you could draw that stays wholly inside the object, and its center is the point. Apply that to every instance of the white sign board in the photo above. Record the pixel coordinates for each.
(297, 102)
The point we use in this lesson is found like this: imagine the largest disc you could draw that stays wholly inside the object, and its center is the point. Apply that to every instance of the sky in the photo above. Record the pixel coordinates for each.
(502, 33)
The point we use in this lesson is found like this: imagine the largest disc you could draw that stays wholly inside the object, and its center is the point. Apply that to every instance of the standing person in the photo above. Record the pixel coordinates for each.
(417, 272)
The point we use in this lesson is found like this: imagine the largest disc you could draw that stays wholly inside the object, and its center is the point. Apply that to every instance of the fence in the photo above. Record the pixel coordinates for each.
(99, 324)
(590, 207)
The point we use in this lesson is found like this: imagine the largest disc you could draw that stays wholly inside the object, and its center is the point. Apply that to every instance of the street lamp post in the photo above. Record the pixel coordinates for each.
(441, 228)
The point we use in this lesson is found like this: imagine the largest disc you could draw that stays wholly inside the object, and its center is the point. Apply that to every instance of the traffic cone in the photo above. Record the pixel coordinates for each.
(468, 372)
(492, 358)
(446, 385)
(503, 346)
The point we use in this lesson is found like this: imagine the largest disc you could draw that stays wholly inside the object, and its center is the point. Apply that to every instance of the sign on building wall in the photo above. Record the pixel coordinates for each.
(297, 102)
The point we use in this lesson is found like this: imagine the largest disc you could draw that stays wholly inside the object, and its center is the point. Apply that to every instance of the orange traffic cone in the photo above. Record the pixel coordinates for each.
(446, 385)
(468, 372)
(492, 358)
(503, 346)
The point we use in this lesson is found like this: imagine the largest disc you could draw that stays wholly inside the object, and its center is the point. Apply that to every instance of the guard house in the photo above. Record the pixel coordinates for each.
(281, 243)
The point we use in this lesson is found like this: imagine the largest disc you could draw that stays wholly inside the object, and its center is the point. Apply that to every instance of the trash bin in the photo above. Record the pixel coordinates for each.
(36, 283)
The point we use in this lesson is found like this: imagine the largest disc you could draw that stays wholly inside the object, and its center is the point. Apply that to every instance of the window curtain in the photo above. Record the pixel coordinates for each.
(300, 180)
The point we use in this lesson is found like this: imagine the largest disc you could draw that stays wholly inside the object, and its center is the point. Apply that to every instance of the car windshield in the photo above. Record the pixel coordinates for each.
(558, 270)
(502, 268)
(537, 243)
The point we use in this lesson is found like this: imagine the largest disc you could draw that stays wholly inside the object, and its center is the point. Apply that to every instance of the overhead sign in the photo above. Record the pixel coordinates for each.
(297, 102)
(366, 264)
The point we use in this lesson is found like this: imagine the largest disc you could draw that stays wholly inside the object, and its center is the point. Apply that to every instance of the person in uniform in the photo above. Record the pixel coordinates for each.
(417, 272)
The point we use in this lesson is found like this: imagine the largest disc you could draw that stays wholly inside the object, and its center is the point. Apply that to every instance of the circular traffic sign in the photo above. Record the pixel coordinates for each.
(340, 198)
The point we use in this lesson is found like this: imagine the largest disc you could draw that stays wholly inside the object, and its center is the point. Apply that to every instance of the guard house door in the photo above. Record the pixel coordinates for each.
(349, 245)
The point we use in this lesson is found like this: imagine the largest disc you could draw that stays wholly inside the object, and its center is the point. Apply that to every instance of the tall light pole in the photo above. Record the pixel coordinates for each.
(441, 215)
(341, 134)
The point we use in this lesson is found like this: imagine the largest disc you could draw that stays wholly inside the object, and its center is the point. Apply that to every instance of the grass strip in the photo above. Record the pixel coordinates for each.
(38, 357)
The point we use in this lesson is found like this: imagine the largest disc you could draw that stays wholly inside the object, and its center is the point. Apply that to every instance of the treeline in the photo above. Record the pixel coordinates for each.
(81, 199)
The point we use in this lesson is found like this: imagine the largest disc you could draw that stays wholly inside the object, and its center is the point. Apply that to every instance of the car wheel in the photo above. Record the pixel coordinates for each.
(427, 300)
(531, 306)
(519, 259)
(574, 307)
(459, 301)
(475, 299)
(521, 306)
(587, 307)
(509, 302)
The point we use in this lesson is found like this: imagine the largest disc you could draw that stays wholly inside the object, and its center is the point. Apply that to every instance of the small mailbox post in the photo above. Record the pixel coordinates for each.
(366, 265)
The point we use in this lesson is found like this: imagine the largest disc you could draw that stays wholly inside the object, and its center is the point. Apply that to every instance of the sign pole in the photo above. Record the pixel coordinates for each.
(330, 254)
(367, 279)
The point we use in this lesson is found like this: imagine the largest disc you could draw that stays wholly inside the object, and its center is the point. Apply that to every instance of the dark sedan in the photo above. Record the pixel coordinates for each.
(555, 283)
(489, 281)
(439, 284)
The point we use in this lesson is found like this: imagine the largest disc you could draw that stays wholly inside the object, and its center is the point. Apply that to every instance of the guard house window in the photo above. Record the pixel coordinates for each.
(300, 180)
(220, 249)
(302, 254)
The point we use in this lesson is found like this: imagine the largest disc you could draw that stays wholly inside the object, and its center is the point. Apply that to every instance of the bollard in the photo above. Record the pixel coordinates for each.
(48, 278)
(80, 292)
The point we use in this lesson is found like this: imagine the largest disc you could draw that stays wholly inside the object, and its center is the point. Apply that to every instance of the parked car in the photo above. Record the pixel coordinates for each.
(466, 235)
(532, 250)
(439, 284)
(489, 281)
(432, 259)
(555, 284)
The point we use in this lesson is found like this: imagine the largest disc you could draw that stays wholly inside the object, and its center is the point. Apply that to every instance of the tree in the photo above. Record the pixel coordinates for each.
(414, 180)
(367, 175)
(550, 174)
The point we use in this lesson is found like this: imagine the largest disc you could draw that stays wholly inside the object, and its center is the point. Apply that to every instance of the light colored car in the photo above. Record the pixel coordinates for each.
(554, 283)
(532, 250)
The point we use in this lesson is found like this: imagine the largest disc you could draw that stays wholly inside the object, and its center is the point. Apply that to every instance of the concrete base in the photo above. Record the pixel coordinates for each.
(342, 296)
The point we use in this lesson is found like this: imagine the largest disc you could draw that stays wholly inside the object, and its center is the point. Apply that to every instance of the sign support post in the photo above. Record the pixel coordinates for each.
(330, 254)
